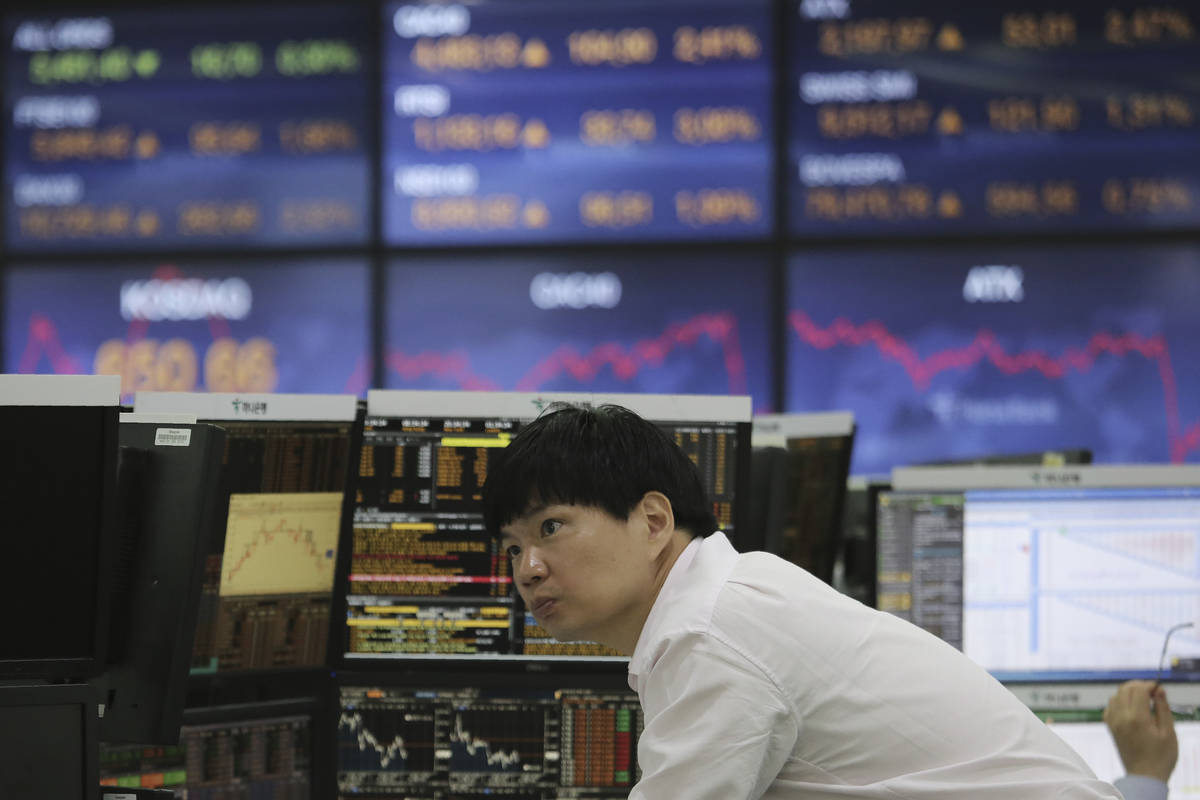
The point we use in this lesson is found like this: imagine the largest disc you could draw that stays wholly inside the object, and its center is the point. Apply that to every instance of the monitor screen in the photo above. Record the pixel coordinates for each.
(658, 323)
(423, 579)
(488, 741)
(196, 127)
(241, 752)
(799, 470)
(508, 121)
(926, 117)
(282, 325)
(1093, 741)
(266, 597)
(1053, 584)
(48, 742)
(970, 350)
(53, 574)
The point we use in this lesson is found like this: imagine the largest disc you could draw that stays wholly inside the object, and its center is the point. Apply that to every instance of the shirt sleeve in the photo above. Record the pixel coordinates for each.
(1141, 787)
(716, 726)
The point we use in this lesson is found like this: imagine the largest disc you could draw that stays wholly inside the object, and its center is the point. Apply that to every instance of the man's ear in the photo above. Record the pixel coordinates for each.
(660, 519)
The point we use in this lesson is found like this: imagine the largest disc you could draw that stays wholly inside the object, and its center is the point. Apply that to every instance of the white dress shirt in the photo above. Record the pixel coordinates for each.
(758, 680)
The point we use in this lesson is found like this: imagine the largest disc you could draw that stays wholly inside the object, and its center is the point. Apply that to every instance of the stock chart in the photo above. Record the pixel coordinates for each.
(295, 325)
(152, 128)
(667, 324)
(514, 122)
(971, 351)
(936, 117)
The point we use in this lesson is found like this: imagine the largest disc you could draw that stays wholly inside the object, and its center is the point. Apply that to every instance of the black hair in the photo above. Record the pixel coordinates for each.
(605, 457)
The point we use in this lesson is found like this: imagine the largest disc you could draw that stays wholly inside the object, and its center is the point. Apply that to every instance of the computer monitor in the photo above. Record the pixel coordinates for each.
(467, 736)
(423, 580)
(859, 544)
(48, 742)
(798, 475)
(1035, 458)
(169, 478)
(1040, 574)
(1090, 738)
(58, 464)
(285, 500)
(254, 750)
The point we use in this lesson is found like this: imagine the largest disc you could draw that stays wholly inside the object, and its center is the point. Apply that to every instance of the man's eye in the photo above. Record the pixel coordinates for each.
(550, 526)
(513, 551)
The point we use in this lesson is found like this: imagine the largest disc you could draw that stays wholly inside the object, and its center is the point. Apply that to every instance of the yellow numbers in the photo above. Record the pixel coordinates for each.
(248, 367)
(715, 207)
(1146, 196)
(1040, 31)
(224, 138)
(148, 366)
(489, 212)
(616, 209)
(73, 222)
(874, 36)
(315, 216)
(311, 136)
(114, 65)
(847, 204)
(479, 133)
(1139, 111)
(699, 126)
(607, 127)
(479, 53)
(1016, 199)
(889, 120)
(218, 219)
(82, 143)
(716, 43)
(1148, 26)
(225, 61)
(595, 48)
(316, 57)
(1023, 114)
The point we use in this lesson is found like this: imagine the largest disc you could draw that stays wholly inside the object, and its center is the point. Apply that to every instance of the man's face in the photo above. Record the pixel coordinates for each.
(583, 574)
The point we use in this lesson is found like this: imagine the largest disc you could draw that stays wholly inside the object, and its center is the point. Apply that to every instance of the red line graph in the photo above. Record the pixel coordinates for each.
(625, 361)
(262, 536)
(985, 347)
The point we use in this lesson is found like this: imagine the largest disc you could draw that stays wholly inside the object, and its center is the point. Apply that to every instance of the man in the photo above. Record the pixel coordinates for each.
(755, 678)
(1143, 729)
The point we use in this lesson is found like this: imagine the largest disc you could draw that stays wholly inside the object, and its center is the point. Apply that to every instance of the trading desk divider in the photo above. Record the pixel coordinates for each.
(422, 580)
(287, 502)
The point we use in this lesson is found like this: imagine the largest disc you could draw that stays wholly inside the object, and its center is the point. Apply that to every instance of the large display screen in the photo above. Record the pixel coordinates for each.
(661, 323)
(970, 351)
(187, 127)
(508, 121)
(295, 325)
(928, 116)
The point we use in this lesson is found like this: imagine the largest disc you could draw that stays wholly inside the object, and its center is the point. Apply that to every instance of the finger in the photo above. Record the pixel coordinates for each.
(1162, 709)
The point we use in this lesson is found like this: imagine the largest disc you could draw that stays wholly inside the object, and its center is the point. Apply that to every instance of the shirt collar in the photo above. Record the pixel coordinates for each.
(699, 571)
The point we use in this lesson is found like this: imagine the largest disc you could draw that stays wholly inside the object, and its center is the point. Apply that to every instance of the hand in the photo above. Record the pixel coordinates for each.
(1145, 736)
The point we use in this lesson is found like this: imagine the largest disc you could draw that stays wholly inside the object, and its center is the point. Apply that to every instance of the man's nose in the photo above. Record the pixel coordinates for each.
(530, 568)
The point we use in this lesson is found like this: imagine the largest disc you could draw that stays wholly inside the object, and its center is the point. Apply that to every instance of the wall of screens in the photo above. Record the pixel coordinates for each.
(131, 129)
(679, 325)
(692, 196)
(953, 352)
(929, 117)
